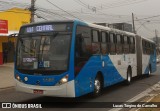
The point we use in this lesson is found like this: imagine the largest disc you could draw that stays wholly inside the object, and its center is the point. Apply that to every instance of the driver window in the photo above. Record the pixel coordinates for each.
(83, 47)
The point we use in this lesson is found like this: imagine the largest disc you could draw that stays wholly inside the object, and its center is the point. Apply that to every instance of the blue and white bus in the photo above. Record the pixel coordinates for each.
(74, 58)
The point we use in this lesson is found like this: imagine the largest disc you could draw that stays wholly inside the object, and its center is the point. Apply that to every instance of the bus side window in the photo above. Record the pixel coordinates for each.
(112, 47)
(95, 42)
(132, 45)
(126, 44)
(119, 44)
(152, 48)
(143, 47)
(104, 40)
(147, 47)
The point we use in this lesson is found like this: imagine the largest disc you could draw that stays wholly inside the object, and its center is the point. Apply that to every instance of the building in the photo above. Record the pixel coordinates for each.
(120, 26)
(12, 20)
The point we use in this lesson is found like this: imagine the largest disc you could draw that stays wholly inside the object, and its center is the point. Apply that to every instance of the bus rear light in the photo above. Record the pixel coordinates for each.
(63, 80)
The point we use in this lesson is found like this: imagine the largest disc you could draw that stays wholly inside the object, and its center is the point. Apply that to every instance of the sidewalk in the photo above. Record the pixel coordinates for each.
(153, 96)
(7, 76)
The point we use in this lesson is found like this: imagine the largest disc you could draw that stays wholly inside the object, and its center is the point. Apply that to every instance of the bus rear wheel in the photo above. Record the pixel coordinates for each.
(149, 72)
(129, 76)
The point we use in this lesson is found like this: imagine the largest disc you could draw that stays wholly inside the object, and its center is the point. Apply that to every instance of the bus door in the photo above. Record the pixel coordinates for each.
(82, 63)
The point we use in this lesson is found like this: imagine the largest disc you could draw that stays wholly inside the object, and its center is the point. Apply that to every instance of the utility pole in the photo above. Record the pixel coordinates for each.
(134, 30)
(32, 9)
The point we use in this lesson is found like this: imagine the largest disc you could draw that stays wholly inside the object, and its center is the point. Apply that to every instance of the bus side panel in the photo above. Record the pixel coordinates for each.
(112, 73)
(123, 61)
(154, 63)
(145, 63)
(84, 81)
(151, 61)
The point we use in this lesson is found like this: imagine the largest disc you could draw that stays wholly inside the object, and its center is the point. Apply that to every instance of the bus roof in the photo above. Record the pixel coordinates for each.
(91, 25)
(117, 31)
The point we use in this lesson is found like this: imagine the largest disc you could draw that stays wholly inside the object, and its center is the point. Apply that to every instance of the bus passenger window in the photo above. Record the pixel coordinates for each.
(119, 45)
(95, 42)
(143, 46)
(132, 45)
(112, 46)
(104, 47)
(126, 45)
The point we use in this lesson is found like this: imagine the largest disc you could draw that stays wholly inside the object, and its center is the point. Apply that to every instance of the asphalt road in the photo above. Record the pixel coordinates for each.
(117, 93)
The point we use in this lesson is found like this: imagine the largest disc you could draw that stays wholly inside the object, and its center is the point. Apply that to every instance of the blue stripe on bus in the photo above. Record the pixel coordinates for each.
(152, 61)
(84, 82)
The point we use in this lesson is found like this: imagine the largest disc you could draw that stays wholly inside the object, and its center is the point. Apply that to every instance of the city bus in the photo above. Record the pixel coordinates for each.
(73, 58)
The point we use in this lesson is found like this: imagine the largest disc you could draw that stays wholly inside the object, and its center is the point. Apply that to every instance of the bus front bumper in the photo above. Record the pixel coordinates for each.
(64, 90)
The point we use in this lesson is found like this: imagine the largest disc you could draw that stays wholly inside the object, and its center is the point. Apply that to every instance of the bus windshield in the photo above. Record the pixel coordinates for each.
(44, 52)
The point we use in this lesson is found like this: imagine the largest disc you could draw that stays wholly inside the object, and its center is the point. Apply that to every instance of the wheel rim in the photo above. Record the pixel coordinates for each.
(129, 76)
(149, 73)
(97, 85)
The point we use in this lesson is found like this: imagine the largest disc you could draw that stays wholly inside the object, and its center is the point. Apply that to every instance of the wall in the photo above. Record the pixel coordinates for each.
(16, 18)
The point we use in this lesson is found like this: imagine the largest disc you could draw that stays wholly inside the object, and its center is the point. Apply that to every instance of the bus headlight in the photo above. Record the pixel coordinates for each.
(18, 78)
(26, 79)
(63, 80)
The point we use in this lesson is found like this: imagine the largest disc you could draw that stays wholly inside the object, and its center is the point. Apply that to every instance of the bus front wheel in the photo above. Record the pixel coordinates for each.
(97, 86)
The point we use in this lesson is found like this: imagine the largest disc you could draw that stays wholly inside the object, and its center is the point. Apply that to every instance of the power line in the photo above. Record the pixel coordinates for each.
(40, 16)
(145, 18)
(50, 12)
(63, 10)
(120, 4)
(148, 17)
(148, 30)
(111, 5)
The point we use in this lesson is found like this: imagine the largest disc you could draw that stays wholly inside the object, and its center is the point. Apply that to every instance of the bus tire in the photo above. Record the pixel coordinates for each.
(98, 85)
(149, 72)
(129, 76)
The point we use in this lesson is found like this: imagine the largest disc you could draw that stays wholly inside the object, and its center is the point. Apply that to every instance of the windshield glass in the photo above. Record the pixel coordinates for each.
(49, 52)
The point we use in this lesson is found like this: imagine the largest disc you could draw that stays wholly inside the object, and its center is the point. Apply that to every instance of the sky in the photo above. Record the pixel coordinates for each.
(106, 11)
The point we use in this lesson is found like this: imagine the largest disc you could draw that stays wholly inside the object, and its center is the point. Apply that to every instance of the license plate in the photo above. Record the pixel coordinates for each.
(38, 91)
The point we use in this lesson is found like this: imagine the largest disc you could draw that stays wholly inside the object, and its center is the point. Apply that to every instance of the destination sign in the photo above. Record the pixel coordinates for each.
(46, 28)
(40, 28)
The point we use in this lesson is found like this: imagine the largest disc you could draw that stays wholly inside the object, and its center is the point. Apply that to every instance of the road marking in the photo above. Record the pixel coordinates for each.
(147, 101)
(139, 96)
